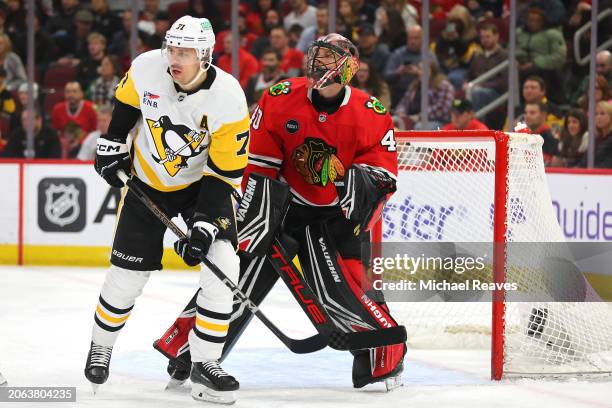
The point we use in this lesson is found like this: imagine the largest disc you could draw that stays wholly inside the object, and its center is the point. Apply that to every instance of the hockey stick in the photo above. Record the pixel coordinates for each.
(299, 346)
(319, 315)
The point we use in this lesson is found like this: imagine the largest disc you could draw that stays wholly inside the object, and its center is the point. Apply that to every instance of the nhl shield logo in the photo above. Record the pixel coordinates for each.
(61, 206)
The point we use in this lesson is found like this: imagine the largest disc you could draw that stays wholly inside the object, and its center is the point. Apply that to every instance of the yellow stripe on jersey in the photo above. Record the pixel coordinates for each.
(126, 91)
(211, 326)
(229, 145)
(149, 173)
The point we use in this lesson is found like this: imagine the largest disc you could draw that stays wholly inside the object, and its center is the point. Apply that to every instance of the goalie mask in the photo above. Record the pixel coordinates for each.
(331, 59)
(189, 33)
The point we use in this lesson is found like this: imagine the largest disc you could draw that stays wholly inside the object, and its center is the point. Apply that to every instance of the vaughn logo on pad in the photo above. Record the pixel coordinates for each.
(62, 204)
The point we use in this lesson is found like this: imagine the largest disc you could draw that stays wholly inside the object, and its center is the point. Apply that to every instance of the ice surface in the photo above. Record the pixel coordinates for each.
(45, 326)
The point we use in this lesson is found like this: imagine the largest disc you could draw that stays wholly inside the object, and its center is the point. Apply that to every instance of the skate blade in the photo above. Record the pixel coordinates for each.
(200, 392)
(94, 388)
(174, 384)
(394, 382)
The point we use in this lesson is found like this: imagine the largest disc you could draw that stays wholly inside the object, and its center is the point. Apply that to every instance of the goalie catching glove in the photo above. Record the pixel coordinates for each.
(362, 194)
(111, 156)
(194, 248)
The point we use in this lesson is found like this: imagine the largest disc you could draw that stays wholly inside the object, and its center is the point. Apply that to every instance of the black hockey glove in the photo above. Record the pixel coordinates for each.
(194, 248)
(111, 156)
(362, 194)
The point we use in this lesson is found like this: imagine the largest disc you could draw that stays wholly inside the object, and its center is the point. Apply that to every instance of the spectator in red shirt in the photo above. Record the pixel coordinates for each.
(74, 109)
(255, 17)
(462, 117)
(247, 63)
(247, 38)
(291, 63)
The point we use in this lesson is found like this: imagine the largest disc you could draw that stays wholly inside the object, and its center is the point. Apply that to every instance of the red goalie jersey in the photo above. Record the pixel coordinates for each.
(310, 150)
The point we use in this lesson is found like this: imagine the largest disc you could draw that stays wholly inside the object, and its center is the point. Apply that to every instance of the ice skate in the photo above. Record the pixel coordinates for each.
(96, 368)
(211, 383)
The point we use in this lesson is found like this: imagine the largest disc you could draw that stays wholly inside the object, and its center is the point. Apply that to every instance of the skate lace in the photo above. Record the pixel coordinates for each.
(100, 355)
(213, 368)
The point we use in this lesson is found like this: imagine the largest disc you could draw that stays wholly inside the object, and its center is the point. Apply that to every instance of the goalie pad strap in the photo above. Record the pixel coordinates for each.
(368, 339)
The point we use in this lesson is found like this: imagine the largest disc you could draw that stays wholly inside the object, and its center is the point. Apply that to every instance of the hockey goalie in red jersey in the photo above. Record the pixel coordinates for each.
(335, 148)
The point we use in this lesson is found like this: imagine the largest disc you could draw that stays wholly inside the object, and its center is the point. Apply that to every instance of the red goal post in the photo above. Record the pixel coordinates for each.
(501, 141)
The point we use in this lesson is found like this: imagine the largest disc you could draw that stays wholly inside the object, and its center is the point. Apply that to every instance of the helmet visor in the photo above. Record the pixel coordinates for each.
(180, 55)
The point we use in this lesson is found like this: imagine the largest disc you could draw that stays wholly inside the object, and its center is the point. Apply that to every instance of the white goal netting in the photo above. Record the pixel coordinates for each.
(446, 190)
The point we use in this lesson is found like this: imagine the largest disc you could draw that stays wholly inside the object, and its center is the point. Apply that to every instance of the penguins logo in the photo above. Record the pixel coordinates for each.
(175, 144)
(317, 162)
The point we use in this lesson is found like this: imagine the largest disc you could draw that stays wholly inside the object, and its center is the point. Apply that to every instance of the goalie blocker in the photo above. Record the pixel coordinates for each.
(333, 271)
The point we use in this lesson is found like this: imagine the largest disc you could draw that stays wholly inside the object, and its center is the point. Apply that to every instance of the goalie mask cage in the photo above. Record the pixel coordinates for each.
(490, 186)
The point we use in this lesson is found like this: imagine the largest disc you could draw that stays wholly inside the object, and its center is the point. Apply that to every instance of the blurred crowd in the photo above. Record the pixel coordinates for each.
(82, 49)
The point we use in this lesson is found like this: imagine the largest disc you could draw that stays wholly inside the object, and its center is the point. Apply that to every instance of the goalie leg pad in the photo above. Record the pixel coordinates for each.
(328, 275)
(349, 306)
(262, 209)
(174, 342)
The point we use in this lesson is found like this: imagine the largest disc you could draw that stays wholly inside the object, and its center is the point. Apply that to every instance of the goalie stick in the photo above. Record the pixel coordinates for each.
(315, 311)
(298, 346)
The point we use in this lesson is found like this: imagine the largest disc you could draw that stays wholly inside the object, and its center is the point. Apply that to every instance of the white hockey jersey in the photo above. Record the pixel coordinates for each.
(183, 136)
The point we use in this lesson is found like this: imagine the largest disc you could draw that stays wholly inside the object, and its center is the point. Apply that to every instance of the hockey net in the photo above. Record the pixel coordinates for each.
(489, 186)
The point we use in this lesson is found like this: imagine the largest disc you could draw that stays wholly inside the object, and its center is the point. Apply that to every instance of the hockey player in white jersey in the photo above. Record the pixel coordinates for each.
(190, 148)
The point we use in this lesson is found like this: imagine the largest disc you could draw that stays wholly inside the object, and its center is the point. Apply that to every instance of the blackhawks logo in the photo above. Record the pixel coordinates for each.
(175, 144)
(375, 105)
(282, 88)
(317, 162)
